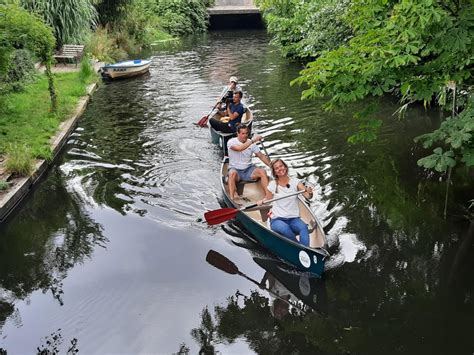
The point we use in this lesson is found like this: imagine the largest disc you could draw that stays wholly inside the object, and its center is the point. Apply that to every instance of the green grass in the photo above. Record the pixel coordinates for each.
(25, 117)
(19, 160)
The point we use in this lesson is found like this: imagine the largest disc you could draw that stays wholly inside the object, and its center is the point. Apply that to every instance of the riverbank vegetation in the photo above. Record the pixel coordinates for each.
(27, 124)
(422, 52)
(31, 30)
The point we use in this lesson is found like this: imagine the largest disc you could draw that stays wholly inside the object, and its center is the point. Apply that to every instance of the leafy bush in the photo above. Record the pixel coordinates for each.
(454, 140)
(86, 69)
(20, 72)
(100, 45)
(182, 17)
(306, 29)
(19, 160)
(22, 30)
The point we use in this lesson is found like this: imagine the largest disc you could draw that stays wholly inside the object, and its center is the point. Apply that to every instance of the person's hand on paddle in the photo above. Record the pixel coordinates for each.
(260, 202)
(308, 192)
(256, 139)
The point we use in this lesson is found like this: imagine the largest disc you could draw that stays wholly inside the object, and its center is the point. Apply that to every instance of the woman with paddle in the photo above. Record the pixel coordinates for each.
(285, 214)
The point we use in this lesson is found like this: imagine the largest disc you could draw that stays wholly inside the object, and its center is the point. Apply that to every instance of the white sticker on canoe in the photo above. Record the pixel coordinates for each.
(305, 259)
(305, 286)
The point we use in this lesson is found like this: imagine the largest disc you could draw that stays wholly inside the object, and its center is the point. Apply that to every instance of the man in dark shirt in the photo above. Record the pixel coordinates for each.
(228, 119)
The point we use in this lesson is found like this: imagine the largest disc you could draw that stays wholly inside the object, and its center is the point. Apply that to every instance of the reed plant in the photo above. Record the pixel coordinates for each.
(87, 70)
(19, 160)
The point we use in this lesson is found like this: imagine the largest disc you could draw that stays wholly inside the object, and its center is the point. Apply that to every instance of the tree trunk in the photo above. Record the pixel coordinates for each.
(51, 87)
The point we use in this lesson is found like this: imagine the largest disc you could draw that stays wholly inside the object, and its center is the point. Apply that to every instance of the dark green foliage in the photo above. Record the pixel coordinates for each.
(306, 29)
(22, 30)
(111, 11)
(20, 72)
(412, 49)
(182, 17)
(456, 136)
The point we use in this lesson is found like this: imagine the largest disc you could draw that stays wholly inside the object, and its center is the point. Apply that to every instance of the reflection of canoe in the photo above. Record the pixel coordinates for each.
(126, 69)
(308, 289)
(303, 258)
(221, 138)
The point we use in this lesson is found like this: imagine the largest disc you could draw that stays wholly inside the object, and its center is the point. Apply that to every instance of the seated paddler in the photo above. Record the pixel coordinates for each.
(226, 121)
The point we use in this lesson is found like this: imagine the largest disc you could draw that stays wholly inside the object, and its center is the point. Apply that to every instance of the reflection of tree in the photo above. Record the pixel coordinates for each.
(53, 344)
(38, 255)
(250, 317)
(204, 335)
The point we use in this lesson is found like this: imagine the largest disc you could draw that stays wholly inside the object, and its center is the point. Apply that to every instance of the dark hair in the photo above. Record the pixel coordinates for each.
(241, 126)
(239, 93)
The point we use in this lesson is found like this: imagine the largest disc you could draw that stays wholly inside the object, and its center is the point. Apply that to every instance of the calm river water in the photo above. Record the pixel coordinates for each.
(108, 255)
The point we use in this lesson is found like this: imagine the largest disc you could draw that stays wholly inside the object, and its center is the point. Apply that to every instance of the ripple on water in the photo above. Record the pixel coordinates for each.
(138, 150)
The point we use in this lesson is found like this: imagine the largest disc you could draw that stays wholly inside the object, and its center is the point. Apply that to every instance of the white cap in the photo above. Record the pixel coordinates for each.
(233, 79)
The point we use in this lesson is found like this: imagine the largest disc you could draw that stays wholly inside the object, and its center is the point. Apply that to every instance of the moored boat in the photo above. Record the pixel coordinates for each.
(125, 69)
(221, 138)
(310, 259)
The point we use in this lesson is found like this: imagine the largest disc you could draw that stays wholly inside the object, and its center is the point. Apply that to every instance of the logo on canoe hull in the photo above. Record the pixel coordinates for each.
(305, 286)
(305, 260)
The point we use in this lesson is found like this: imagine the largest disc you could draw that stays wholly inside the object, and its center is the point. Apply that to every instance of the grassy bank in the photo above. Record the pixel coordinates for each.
(26, 123)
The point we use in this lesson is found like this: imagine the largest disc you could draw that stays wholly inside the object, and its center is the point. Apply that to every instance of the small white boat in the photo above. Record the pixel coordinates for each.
(125, 69)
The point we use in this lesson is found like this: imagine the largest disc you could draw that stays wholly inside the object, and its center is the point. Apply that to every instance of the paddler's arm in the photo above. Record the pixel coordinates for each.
(242, 146)
(264, 158)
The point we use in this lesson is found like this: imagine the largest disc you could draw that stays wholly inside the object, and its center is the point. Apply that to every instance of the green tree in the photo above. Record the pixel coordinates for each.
(111, 11)
(20, 29)
(304, 29)
(413, 49)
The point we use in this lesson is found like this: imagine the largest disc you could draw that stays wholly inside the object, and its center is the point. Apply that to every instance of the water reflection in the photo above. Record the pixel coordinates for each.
(139, 172)
(37, 256)
(262, 321)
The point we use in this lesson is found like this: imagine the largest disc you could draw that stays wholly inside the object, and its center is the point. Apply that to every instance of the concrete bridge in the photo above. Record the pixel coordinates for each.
(233, 14)
(233, 7)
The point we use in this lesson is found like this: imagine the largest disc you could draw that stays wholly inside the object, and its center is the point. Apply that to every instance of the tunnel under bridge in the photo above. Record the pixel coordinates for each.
(234, 14)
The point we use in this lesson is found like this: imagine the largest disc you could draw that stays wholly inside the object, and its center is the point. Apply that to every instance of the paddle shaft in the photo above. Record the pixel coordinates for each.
(225, 214)
(220, 99)
(265, 149)
(272, 200)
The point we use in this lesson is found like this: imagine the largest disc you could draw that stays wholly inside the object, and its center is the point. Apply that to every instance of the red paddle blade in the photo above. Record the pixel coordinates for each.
(203, 121)
(221, 215)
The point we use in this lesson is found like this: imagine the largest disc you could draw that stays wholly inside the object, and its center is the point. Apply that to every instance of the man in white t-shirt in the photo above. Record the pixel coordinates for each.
(241, 149)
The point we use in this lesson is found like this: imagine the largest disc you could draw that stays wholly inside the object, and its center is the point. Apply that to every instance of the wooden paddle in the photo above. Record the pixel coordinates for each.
(220, 262)
(264, 149)
(225, 214)
(203, 121)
